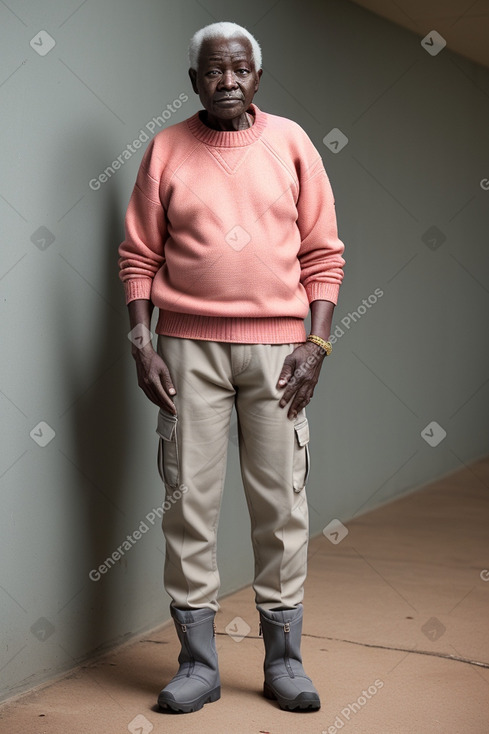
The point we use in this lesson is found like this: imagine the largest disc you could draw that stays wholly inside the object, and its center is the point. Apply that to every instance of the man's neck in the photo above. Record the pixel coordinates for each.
(243, 122)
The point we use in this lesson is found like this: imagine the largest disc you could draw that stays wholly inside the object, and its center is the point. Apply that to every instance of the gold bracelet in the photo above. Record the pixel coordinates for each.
(326, 346)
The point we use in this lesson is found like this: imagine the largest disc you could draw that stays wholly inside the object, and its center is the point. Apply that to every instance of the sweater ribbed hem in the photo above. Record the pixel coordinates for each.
(272, 330)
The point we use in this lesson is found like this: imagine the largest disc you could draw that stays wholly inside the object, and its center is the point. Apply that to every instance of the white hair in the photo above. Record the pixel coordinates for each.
(222, 30)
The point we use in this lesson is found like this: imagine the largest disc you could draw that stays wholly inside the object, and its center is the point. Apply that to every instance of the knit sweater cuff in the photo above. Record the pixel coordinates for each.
(135, 289)
(319, 291)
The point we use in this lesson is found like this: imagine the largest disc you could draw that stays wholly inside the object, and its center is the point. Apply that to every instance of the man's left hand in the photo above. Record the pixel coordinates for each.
(299, 376)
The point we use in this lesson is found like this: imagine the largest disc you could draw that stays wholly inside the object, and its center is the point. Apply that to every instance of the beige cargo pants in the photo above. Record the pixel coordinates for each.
(211, 377)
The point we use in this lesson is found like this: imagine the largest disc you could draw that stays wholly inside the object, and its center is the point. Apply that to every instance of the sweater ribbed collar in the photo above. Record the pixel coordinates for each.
(229, 138)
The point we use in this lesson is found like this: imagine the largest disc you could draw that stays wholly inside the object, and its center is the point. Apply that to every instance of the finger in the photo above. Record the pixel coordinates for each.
(167, 384)
(163, 376)
(285, 398)
(154, 391)
(286, 373)
(289, 392)
(163, 384)
(164, 400)
(299, 402)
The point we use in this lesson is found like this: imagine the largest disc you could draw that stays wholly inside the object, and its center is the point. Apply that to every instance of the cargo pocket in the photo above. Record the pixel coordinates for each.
(168, 458)
(301, 462)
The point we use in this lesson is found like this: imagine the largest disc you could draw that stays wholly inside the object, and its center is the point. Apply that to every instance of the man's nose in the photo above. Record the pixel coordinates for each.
(228, 80)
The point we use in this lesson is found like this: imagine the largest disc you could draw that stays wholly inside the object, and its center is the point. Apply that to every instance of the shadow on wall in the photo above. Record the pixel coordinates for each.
(96, 379)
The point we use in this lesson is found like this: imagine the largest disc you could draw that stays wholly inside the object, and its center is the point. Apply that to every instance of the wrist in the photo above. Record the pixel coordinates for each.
(322, 344)
(142, 352)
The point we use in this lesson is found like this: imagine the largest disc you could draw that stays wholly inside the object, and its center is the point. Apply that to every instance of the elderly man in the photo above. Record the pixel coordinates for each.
(231, 232)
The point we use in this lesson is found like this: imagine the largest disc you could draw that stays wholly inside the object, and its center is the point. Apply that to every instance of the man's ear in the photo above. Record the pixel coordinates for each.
(193, 78)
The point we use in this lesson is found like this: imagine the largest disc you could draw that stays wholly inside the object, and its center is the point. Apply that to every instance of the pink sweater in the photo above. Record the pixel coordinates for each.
(232, 234)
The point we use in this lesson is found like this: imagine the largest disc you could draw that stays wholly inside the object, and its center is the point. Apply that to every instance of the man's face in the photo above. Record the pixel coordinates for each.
(226, 80)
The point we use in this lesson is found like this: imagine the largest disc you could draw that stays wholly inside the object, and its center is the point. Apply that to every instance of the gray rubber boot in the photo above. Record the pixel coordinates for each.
(285, 678)
(197, 681)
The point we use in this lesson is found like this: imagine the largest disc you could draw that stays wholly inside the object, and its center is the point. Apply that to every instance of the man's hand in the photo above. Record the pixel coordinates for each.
(153, 374)
(299, 376)
(154, 378)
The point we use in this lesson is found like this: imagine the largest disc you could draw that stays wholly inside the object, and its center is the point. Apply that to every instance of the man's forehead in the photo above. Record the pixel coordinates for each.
(218, 48)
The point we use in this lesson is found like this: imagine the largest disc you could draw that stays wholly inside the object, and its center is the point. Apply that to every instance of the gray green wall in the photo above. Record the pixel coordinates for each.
(417, 152)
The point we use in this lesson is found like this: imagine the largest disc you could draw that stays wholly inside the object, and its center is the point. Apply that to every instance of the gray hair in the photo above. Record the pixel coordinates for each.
(222, 30)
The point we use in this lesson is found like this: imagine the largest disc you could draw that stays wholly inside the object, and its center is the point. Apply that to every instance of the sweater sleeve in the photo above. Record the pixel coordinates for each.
(321, 250)
(141, 254)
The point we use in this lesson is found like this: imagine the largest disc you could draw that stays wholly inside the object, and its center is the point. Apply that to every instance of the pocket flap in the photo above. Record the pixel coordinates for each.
(302, 432)
(167, 423)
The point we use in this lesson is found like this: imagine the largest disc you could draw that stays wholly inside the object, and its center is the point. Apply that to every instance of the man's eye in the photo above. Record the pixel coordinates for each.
(243, 71)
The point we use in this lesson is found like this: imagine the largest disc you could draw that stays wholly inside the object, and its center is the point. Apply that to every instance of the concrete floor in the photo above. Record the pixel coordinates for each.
(396, 638)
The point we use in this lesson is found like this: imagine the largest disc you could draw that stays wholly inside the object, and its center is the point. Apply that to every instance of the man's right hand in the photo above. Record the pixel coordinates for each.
(153, 374)
(154, 378)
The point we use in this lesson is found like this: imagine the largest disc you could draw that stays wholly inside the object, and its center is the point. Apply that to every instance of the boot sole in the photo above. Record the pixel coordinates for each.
(187, 707)
(304, 702)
